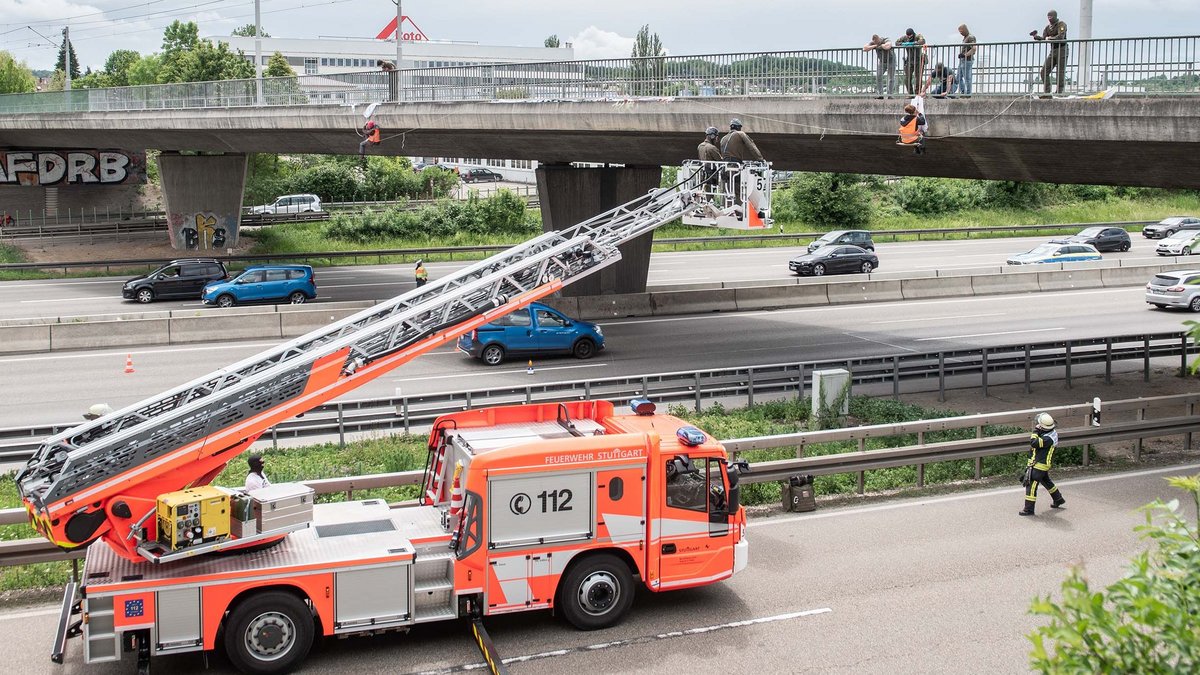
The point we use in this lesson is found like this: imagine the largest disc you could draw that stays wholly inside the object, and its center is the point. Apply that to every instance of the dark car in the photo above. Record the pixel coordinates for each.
(481, 176)
(177, 279)
(263, 283)
(859, 238)
(1103, 238)
(536, 329)
(834, 260)
(1169, 226)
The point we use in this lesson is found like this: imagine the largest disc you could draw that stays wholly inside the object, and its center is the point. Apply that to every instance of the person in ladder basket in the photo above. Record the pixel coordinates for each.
(372, 131)
(1042, 443)
(709, 152)
(912, 129)
(256, 479)
(421, 274)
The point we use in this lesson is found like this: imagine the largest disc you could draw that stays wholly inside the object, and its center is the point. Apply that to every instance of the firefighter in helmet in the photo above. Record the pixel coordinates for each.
(1037, 472)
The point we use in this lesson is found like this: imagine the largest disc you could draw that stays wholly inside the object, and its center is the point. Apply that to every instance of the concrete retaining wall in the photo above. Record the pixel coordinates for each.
(96, 334)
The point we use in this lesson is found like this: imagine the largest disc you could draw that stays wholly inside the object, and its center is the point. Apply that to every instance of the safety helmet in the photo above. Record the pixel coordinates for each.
(735, 123)
(419, 263)
(711, 131)
(98, 410)
(1044, 422)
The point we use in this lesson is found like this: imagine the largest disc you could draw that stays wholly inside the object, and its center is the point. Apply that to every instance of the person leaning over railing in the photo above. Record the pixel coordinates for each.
(1056, 32)
(914, 60)
(885, 61)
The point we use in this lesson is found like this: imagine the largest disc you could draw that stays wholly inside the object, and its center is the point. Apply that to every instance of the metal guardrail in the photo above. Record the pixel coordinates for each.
(751, 382)
(468, 251)
(38, 550)
(1133, 65)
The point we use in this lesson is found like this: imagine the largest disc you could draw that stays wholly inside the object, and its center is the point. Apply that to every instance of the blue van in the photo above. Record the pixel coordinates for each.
(294, 284)
(533, 330)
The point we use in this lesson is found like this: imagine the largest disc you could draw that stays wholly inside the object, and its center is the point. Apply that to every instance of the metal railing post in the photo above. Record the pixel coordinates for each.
(1137, 448)
(942, 376)
(404, 411)
(750, 386)
(1108, 360)
(983, 372)
(920, 475)
(696, 388)
(896, 377)
(1183, 364)
(341, 419)
(1027, 387)
(1146, 359)
(1068, 364)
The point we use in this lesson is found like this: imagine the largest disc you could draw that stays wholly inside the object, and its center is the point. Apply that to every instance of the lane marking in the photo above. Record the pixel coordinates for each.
(49, 611)
(974, 494)
(57, 300)
(497, 372)
(880, 342)
(975, 335)
(643, 639)
(957, 316)
(167, 350)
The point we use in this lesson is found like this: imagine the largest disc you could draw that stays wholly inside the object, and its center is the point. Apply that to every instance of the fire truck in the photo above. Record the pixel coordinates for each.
(548, 506)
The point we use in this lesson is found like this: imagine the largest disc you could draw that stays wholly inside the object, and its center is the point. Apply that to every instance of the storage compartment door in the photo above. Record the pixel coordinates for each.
(178, 619)
(374, 597)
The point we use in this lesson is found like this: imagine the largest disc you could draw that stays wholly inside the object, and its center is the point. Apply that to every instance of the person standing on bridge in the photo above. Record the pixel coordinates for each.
(964, 78)
(1056, 32)
(914, 59)
(421, 274)
(1042, 443)
(884, 63)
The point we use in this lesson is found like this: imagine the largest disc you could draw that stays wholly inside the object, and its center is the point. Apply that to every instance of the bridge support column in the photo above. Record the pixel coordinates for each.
(202, 195)
(571, 195)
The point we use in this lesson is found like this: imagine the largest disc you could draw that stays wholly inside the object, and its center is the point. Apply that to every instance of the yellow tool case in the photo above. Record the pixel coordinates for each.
(195, 516)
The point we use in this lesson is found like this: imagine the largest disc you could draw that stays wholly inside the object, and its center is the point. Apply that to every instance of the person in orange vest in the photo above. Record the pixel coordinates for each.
(421, 274)
(372, 132)
(912, 129)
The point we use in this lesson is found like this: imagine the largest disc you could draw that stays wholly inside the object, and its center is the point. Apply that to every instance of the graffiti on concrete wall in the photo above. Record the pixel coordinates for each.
(202, 231)
(52, 168)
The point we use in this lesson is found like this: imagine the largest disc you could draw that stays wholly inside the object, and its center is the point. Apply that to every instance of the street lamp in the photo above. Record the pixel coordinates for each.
(258, 84)
(1085, 33)
(399, 49)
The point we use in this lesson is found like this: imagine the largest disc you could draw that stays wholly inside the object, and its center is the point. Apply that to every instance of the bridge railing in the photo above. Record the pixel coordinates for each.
(1135, 65)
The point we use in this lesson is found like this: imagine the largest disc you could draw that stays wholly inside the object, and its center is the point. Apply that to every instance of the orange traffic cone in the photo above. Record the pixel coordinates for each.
(529, 368)
(456, 492)
(129, 363)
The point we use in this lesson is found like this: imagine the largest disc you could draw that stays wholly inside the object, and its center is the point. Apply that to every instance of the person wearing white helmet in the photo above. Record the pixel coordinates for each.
(97, 411)
(1042, 443)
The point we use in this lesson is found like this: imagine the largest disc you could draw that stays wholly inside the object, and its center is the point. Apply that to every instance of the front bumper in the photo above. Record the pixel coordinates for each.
(128, 293)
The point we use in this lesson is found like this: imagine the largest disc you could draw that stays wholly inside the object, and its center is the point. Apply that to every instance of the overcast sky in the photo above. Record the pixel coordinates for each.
(597, 29)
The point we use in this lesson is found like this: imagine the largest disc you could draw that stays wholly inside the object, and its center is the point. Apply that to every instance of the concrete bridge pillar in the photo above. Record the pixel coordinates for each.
(202, 195)
(571, 195)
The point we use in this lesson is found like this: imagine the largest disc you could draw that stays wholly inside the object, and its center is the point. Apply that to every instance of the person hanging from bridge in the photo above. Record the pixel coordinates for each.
(372, 132)
(912, 128)
(1042, 443)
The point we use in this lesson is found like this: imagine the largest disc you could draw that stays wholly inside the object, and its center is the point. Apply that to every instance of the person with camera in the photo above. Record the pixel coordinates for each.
(1056, 33)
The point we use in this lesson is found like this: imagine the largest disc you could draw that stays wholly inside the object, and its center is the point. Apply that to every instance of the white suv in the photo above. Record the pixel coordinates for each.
(1175, 289)
(291, 204)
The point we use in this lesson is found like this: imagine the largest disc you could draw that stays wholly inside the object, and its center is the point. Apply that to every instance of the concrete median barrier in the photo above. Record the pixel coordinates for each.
(297, 323)
(671, 288)
(17, 339)
(97, 334)
(780, 297)
(568, 306)
(1127, 276)
(219, 326)
(946, 287)
(615, 306)
(863, 291)
(693, 302)
(1069, 280)
(1025, 281)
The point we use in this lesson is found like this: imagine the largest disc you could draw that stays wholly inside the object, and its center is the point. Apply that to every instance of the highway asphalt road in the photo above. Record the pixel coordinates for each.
(58, 387)
(921, 585)
(81, 297)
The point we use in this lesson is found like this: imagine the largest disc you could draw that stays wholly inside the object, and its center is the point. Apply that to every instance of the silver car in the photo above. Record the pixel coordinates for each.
(1175, 289)
(306, 203)
(1183, 242)
(1169, 226)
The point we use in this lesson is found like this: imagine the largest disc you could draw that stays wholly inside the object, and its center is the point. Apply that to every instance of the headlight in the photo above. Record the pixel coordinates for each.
(599, 331)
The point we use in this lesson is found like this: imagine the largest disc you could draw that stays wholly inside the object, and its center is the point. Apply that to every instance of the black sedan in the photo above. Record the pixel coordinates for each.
(1103, 238)
(834, 260)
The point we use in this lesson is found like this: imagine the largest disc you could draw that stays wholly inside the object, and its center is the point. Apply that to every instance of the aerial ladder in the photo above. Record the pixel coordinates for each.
(101, 480)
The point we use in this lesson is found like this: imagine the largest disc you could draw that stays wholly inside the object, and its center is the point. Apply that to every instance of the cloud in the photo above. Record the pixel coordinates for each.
(594, 43)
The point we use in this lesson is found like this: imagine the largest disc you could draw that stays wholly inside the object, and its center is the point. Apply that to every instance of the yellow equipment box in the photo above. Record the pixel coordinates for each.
(196, 516)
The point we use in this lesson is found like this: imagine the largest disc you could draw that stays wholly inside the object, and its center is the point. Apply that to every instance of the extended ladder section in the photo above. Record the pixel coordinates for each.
(101, 478)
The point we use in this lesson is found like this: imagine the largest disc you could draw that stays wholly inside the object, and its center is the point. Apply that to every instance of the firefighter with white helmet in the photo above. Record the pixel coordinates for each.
(97, 411)
(1042, 443)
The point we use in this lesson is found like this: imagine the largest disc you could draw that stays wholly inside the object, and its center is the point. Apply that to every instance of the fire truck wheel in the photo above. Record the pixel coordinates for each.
(596, 592)
(269, 633)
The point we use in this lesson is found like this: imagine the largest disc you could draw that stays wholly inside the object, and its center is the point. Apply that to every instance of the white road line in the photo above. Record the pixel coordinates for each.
(56, 300)
(979, 494)
(956, 317)
(380, 283)
(881, 342)
(496, 372)
(143, 352)
(54, 284)
(1007, 332)
(49, 611)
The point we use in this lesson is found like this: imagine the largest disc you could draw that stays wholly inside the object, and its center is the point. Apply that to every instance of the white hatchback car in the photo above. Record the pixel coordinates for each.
(1175, 289)
(1183, 242)
(291, 204)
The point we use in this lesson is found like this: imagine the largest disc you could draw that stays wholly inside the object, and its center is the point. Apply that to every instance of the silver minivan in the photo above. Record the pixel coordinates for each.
(1175, 289)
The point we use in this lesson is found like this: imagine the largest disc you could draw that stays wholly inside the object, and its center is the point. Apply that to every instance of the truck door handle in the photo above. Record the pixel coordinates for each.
(668, 549)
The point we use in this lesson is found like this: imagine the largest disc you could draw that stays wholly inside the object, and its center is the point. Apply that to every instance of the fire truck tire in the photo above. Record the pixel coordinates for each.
(596, 592)
(269, 633)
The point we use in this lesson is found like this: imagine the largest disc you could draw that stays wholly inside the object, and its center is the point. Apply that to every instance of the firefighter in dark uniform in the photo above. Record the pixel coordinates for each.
(1042, 443)
(709, 152)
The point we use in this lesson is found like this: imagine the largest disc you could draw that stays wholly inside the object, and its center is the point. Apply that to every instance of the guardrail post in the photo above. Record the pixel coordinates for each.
(404, 411)
(696, 388)
(341, 426)
(1187, 440)
(1068, 364)
(750, 386)
(942, 376)
(275, 438)
(1145, 358)
(1183, 364)
(1108, 360)
(920, 475)
(979, 460)
(862, 482)
(983, 371)
(529, 394)
(896, 377)
(1137, 447)
(1027, 387)
(645, 387)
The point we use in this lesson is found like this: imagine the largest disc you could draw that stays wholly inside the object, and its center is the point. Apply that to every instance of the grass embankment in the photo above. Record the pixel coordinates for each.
(404, 453)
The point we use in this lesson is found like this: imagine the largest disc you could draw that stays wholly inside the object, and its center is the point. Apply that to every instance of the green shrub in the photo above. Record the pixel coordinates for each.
(937, 195)
(832, 199)
(1015, 194)
(501, 214)
(1088, 193)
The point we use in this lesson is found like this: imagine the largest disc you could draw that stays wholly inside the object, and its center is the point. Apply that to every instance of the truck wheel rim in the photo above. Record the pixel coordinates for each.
(598, 593)
(270, 636)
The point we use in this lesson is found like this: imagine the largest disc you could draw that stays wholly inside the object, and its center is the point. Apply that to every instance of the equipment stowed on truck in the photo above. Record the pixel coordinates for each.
(559, 506)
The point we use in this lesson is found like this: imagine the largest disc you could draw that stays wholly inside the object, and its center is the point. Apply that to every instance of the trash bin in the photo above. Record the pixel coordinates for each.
(798, 494)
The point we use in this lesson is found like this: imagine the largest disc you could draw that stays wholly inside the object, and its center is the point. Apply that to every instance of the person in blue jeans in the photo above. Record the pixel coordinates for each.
(964, 79)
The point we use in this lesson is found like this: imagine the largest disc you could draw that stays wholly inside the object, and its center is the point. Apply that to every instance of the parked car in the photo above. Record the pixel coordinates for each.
(1183, 242)
(1169, 226)
(834, 260)
(184, 278)
(859, 238)
(291, 204)
(1175, 289)
(264, 283)
(1102, 238)
(1056, 253)
(481, 176)
(533, 330)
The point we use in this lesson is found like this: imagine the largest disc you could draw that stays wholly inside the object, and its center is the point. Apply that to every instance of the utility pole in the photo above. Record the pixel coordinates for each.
(1085, 33)
(258, 85)
(67, 56)
(400, 49)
